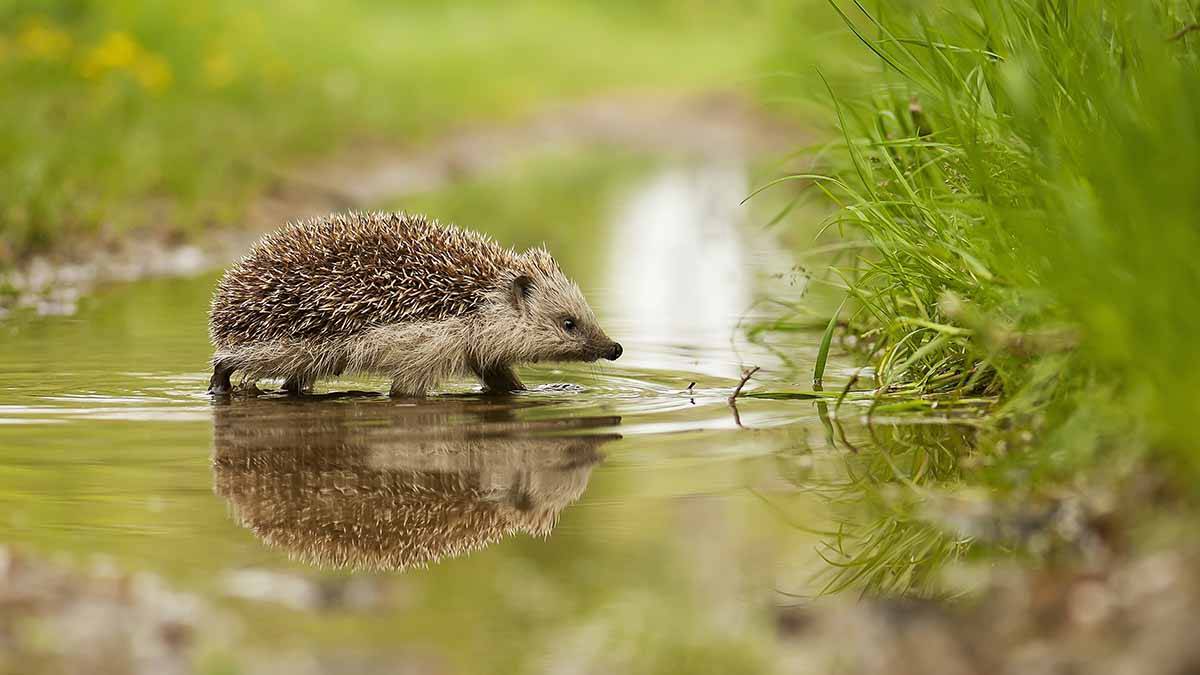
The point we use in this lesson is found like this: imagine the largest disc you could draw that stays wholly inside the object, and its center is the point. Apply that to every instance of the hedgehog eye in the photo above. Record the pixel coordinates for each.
(568, 325)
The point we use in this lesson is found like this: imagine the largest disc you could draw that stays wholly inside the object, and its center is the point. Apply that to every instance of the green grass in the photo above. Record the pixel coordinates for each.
(1026, 175)
(126, 117)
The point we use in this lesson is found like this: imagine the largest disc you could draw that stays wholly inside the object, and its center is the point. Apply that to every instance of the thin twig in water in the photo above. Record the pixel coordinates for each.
(737, 418)
(746, 375)
(846, 389)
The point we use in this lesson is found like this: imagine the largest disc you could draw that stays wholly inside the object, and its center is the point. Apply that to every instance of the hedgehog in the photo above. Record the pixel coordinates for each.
(399, 295)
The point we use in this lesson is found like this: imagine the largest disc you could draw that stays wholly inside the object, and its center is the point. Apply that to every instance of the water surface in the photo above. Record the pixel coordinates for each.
(618, 517)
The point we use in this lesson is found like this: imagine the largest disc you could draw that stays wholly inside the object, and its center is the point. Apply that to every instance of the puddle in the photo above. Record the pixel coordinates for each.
(614, 512)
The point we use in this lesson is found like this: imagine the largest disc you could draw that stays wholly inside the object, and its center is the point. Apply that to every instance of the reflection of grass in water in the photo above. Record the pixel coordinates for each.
(897, 552)
(894, 555)
(881, 542)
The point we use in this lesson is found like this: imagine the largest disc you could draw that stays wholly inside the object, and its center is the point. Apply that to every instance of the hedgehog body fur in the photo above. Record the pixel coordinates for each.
(398, 295)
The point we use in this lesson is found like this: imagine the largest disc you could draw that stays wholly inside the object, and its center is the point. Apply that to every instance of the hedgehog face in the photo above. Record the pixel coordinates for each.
(558, 323)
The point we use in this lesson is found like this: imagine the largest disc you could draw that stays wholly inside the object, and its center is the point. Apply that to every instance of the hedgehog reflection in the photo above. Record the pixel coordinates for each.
(383, 487)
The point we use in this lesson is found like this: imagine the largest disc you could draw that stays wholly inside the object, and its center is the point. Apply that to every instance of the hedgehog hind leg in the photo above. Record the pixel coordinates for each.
(403, 388)
(412, 384)
(500, 380)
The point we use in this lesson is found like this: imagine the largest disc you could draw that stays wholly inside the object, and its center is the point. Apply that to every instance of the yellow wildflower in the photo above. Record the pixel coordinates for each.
(43, 40)
(116, 51)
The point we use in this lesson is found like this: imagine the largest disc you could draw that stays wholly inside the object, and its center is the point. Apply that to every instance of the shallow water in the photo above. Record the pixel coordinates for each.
(618, 517)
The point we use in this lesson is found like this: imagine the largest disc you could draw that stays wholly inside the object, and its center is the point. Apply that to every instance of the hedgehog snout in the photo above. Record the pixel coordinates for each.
(614, 352)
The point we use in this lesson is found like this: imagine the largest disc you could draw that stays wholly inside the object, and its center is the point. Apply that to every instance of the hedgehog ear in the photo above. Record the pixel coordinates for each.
(522, 288)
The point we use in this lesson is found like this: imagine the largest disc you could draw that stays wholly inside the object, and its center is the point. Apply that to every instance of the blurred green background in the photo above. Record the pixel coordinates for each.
(166, 117)
(1005, 194)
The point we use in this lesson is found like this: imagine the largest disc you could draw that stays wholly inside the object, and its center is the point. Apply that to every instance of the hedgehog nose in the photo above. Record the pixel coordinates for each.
(614, 352)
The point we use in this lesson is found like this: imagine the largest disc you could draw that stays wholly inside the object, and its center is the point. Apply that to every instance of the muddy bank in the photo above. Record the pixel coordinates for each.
(66, 618)
(367, 172)
(57, 619)
(1133, 616)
